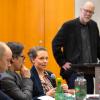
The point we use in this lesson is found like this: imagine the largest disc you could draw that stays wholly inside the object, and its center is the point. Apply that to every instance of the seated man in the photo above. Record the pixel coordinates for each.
(5, 57)
(18, 87)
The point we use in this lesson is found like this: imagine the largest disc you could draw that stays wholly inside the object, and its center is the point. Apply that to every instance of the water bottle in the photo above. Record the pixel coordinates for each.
(80, 86)
(59, 95)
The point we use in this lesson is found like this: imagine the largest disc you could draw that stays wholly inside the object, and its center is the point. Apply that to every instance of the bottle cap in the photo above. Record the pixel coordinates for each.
(80, 74)
(58, 79)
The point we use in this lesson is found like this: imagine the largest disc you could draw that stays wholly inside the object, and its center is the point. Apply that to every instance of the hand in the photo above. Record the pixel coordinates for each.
(25, 72)
(71, 91)
(51, 92)
(66, 66)
(64, 87)
(66, 90)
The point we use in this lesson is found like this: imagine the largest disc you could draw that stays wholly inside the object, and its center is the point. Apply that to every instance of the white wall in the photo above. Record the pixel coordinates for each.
(96, 15)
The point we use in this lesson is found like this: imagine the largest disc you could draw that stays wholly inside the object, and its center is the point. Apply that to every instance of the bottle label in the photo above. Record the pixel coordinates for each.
(77, 90)
(80, 92)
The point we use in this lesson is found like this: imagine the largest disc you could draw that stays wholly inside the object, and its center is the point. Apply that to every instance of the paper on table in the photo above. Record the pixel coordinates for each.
(91, 95)
(46, 98)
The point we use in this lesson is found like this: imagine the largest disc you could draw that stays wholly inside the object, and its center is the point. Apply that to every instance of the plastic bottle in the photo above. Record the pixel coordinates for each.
(80, 86)
(59, 95)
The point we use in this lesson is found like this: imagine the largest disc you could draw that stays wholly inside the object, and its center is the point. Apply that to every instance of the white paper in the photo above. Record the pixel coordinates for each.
(46, 98)
(91, 95)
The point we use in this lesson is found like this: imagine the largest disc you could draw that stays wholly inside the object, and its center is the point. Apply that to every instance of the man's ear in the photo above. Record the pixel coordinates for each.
(13, 60)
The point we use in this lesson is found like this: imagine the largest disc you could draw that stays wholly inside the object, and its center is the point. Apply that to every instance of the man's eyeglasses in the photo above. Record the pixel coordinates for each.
(23, 57)
(88, 11)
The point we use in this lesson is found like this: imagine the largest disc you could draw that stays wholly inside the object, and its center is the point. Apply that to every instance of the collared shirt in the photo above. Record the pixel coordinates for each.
(46, 84)
(2, 75)
(86, 47)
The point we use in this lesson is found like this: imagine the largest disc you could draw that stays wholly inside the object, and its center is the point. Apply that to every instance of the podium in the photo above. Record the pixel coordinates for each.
(96, 66)
(97, 79)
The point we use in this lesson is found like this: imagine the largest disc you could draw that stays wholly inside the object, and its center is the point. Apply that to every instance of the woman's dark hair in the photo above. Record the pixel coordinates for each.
(32, 53)
(16, 48)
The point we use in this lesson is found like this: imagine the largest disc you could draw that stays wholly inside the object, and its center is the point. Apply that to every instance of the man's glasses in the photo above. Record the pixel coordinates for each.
(23, 57)
(88, 11)
(17, 56)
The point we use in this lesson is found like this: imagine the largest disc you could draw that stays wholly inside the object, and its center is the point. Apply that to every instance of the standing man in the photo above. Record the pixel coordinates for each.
(5, 58)
(78, 42)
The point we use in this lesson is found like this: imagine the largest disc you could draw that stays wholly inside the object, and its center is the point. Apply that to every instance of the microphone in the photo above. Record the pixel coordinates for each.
(53, 77)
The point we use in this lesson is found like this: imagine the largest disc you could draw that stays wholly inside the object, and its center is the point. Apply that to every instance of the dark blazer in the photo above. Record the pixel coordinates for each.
(3, 96)
(16, 87)
(37, 86)
(69, 39)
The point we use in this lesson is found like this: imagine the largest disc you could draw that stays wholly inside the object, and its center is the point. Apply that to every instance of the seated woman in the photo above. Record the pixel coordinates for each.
(44, 83)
